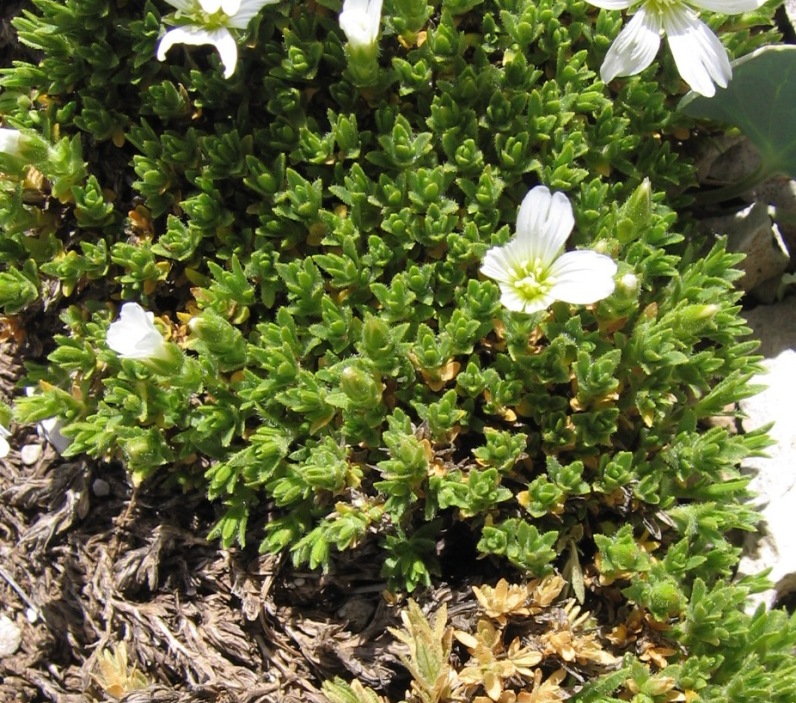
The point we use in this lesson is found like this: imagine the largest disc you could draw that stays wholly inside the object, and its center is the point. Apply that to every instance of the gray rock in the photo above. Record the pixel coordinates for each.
(752, 232)
(774, 481)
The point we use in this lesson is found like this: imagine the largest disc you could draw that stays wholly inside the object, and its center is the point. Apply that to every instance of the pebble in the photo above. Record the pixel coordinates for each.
(100, 487)
(30, 454)
(10, 637)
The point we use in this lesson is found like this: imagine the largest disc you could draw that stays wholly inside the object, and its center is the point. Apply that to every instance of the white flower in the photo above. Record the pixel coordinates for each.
(134, 335)
(11, 142)
(209, 22)
(531, 269)
(360, 20)
(700, 57)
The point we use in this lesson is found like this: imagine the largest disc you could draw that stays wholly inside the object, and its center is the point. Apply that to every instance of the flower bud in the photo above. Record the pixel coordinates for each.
(220, 338)
(665, 599)
(634, 215)
(376, 338)
(692, 319)
(362, 388)
(144, 452)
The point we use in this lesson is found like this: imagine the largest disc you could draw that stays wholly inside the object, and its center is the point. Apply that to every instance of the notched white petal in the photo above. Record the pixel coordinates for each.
(544, 222)
(196, 36)
(583, 277)
(700, 57)
(210, 6)
(230, 7)
(634, 48)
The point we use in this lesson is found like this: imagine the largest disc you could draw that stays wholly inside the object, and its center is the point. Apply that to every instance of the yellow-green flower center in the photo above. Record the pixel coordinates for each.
(661, 7)
(196, 15)
(531, 279)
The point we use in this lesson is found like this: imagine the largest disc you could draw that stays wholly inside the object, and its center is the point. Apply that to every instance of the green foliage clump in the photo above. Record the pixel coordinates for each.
(313, 247)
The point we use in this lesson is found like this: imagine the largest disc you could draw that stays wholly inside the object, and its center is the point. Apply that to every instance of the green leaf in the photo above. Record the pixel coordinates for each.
(766, 78)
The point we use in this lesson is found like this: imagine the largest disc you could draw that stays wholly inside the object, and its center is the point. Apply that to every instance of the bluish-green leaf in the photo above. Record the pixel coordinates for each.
(759, 100)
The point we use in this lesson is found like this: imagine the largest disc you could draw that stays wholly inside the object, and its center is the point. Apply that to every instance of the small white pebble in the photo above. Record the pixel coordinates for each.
(32, 615)
(10, 636)
(100, 487)
(30, 454)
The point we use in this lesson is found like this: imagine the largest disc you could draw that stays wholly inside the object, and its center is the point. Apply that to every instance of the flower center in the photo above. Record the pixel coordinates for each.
(661, 7)
(532, 279)
(199, 16)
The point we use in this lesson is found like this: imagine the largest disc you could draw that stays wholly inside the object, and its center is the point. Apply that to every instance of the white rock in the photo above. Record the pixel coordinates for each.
(51, 430)
(774, 480)
(10, 636)
(30, 453)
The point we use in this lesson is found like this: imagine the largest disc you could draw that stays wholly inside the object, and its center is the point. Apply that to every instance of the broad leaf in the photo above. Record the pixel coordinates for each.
(760, 100)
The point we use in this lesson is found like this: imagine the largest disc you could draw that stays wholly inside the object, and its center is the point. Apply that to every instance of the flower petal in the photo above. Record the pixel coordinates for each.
(247, 11)
(544, 222)
(728, 7)
(10, 141)
(582, 277)
(700, 57)
(230, 7)
(195, 36)
(360, 21)
(134, 335)
(500, 263)
(613, 4)
(635, 47)
(210, 6)
(227, 50)
(513, 301)
(374, 11)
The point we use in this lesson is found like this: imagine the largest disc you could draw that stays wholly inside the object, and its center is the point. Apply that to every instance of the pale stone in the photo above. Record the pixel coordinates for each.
(30, 454)
(774, 476)
(752, 232)
(10, 636)
(100, 487)
(790, 12)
